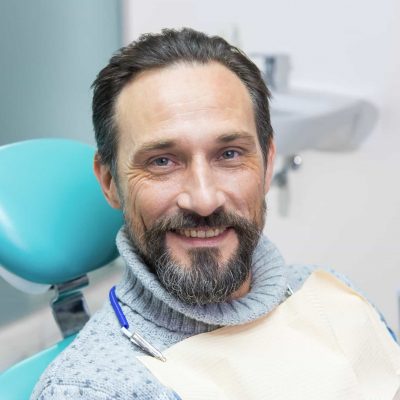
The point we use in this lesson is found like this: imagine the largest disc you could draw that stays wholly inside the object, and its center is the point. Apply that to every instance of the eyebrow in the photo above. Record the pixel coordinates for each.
(230, 137)
(167, 144)
(156, 145)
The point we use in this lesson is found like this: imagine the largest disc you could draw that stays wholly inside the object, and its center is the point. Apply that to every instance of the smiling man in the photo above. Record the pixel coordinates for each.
(191, 177)
(185, 149)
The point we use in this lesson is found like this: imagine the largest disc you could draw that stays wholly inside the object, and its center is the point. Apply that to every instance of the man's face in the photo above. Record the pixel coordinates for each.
(191, 177)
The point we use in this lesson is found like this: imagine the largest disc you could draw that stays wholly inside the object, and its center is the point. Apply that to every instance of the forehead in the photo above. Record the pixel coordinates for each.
(183, 101)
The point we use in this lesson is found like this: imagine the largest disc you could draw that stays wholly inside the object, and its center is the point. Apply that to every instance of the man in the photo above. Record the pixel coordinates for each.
(185, 149)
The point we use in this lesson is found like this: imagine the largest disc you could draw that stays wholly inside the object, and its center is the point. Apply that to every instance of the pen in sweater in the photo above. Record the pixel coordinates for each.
(134, 337)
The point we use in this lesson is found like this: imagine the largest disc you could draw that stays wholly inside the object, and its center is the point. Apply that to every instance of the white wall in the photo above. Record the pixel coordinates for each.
(346, 207)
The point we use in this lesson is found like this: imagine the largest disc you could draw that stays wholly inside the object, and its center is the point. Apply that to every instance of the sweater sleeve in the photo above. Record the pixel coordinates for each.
(56, 391)
(69, 392)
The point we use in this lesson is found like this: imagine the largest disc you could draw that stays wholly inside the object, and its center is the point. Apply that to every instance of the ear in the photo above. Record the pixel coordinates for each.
(107, 182)
(270, 165)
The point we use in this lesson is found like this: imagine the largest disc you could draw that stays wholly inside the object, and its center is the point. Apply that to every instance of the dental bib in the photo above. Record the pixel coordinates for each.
(324, 342)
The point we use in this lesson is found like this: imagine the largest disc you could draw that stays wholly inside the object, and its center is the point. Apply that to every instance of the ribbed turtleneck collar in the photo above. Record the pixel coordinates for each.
(141, 291)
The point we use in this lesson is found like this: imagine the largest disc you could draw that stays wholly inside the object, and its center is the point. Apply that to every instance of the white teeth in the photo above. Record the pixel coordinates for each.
(209, 233)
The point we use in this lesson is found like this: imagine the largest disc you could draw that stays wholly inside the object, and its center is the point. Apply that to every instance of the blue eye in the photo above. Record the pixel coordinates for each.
(161, 161)
(229, 154)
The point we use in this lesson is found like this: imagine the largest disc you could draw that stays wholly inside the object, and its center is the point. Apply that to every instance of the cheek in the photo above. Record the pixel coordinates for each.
(246, 189)
(250, 195)
(148, 199)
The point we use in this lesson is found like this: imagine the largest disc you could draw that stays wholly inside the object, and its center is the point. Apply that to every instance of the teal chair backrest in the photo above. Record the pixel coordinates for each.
(55, 226)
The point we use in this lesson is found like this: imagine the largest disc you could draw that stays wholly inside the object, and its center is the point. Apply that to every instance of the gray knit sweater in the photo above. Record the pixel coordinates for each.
(101, 363)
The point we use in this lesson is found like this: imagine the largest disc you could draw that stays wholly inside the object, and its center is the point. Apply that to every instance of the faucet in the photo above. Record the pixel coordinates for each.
(281, 180)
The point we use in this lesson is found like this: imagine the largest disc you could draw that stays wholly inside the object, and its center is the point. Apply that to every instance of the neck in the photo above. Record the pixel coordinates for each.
(243, 290)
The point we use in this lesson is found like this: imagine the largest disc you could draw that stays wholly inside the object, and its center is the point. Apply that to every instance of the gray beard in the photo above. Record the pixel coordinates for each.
(206, 280)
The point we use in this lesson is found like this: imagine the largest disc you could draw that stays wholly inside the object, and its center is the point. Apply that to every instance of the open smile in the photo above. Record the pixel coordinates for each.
(201, 232)
(201, 236)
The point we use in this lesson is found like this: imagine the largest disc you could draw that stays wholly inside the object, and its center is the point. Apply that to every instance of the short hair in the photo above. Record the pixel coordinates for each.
(171, 47)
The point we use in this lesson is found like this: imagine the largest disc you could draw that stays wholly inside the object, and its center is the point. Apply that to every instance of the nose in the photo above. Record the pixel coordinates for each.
(201, 192)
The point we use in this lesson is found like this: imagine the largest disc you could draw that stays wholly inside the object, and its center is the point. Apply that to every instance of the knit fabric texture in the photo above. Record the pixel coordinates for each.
(101, 363)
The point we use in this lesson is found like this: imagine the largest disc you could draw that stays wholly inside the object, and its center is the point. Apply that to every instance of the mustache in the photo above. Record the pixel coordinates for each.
(187, 220)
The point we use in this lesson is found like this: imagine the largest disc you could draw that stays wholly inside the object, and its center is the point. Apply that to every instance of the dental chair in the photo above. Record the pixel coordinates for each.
(55, 227)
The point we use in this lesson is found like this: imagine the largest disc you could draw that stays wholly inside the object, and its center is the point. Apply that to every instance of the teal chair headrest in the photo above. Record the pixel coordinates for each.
(55, 224)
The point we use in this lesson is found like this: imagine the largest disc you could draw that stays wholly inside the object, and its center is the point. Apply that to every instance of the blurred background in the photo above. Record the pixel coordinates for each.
(342, 207)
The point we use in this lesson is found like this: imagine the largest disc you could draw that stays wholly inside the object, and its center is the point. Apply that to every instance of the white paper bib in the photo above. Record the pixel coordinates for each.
(325, 342)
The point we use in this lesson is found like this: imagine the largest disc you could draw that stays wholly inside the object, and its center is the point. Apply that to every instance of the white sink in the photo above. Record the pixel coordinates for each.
(305, 120)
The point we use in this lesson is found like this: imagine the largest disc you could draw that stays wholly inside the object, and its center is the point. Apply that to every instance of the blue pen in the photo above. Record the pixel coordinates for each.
(134, 337)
